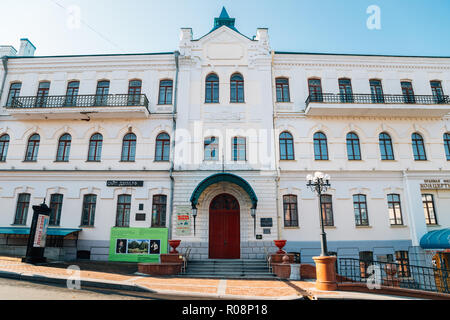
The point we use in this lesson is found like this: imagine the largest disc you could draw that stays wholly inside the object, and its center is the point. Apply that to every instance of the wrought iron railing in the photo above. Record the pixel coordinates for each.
(376, 99)
(110, 100)
(391, 274)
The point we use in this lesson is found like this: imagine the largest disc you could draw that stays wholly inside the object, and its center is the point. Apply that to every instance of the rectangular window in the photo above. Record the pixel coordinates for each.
(403, 262)
(408, 93)
(211, 148)
(88, 211)
(327, 210)
(345, 91)
(239, 146)
(438, 93)
(360, 210)
(428, 208)
(159, 211)
(290, 211)
(165, 92)
(23, 202)
(42, 94)
(282, 88)
(123, 210)
(376, 91)
(56, 201)
(315, 90)
(395, 210)
(14, 92)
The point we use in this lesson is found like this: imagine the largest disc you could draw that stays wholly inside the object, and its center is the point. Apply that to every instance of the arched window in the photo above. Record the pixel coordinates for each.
(345, 90)
(286, 146)
(14, 91)
(386, 149)
(165, 92)
(353, 147)
(162, 150)
(212, 89)
(63, 151)
(32, 148)
(95, 147)
(315, 90)
(211, 148)
(236, 88)
(129, 147)
(4, 143)
(123, 210)
(282, 86)
(320, 146)
(418, 147)
(134, 92)
(101, 94)
(42, 94)
(72, 93)
(447, 145)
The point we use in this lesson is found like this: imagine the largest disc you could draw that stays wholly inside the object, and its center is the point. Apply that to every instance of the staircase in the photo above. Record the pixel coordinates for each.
(229, 269)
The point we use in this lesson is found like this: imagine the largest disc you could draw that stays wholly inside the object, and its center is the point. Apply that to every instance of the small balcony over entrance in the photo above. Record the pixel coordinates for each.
(79, 107)
(371, 105)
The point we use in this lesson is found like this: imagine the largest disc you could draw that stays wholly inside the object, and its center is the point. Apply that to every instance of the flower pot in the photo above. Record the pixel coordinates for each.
(174, 244)
(280, 244)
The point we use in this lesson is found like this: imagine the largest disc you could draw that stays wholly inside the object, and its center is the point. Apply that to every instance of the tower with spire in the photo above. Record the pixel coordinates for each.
(224, 20)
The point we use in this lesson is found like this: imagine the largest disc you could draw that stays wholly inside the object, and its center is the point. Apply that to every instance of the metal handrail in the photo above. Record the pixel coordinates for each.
(392, 274)
(377, 98)
(109, 100)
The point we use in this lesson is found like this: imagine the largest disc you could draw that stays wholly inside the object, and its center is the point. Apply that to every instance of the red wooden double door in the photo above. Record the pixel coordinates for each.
(224, 228)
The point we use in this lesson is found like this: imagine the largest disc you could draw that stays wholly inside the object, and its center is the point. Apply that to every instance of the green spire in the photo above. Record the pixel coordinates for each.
(224, 20)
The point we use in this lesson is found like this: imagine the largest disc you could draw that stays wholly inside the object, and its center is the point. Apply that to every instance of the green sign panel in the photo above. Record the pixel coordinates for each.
(137, 244)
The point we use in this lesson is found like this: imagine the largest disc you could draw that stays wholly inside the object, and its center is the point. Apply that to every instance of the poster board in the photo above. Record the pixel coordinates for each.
(137, 244)
(41, 231)
(183, 220)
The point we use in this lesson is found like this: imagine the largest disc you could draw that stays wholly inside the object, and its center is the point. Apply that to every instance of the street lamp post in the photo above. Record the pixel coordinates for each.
(325, 271)
(319, 183)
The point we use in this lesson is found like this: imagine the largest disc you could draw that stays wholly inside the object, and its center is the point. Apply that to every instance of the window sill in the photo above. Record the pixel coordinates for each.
(322, 160)
(329, 227)
(237, 102)
(433, 225)
(18, 225)
(291, 228)
(363, 227)
(164, 104)
(127, 161)
(398, 226)
(291, 160)
(160, 160)
(64, 161)
(93, 161)
(388, 160)
(29, 161)
(86, 227)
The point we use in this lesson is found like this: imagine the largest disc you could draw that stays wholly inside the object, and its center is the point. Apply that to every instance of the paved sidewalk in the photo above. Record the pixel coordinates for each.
(172, 287)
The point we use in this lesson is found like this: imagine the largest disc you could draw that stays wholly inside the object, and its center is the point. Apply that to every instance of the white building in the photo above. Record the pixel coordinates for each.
(224, 124)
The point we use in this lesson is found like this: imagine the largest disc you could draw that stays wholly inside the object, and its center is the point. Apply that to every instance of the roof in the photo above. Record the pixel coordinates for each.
(50, 231)
(437, 239)
(95, 55)
(357, 54)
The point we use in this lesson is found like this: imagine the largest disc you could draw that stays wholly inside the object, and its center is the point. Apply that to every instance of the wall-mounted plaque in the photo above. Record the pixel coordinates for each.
(266, 222)
(259, 237)
(266, 231)
(140, 216)
(128, 183)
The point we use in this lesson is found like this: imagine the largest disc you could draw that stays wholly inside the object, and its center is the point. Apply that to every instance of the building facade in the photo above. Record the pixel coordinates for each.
(214, 142)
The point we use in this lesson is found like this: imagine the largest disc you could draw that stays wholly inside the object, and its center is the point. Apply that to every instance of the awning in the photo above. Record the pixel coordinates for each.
(437, 239)
(50, 231)
(228, 177)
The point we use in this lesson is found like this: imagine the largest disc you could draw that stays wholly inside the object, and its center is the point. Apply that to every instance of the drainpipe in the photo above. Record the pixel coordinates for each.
(5, 67)
(172, 149)
(277, 165)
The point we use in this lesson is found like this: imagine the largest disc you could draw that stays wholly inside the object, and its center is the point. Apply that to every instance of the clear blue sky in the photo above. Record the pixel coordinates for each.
(408, 27)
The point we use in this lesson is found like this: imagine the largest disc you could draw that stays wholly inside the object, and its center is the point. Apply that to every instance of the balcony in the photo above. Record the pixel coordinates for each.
(369, 105)
(82, 107)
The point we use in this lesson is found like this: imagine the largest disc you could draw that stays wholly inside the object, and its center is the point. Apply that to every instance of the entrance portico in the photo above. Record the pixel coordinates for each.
(224, 202)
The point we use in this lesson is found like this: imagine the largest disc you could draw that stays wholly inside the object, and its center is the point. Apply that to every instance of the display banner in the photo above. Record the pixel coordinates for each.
(41, 231)
(137, 244)
(183, 220)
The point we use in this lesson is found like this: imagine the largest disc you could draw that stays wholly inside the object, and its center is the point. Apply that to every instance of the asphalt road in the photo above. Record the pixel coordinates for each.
(24, 290)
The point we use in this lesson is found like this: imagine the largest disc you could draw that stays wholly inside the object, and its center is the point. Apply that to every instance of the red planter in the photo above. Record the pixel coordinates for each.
(280, 244)
(174, 244)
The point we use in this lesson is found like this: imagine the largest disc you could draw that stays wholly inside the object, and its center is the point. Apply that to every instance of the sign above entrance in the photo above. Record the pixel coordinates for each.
(128, 183)
(435, 184)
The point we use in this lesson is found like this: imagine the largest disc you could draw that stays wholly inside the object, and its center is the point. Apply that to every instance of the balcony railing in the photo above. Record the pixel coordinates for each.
(376, 99)
(110, 100)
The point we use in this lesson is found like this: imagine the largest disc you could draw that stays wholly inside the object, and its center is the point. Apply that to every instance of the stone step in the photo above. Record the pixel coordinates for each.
(228, 276)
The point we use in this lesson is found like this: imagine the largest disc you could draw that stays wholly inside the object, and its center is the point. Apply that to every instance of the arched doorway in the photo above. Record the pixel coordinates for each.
(224, 228)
